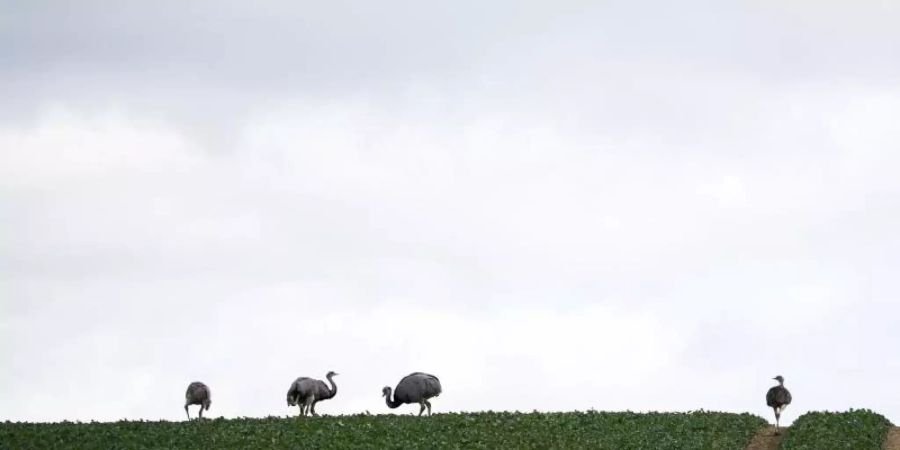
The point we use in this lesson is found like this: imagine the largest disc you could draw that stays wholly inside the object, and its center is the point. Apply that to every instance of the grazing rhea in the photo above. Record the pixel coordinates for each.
(416, 387)
(197, 394)
(778, 398)
(306, 392)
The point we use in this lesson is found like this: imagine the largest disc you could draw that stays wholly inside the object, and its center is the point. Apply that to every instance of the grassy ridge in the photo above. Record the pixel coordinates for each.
(859, 429)
(574, 430)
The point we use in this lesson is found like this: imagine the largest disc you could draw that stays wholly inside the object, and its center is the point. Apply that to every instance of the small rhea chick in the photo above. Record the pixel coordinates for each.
(778, 398)
(197, 394)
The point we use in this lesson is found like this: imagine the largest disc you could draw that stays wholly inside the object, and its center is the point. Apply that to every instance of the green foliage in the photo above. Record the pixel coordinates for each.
(859, 429)
(573, 430)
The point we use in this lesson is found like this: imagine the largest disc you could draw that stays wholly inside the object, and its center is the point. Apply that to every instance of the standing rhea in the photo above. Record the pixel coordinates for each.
(197, 394)
(306, 392)
(416, 387)
(778, 398)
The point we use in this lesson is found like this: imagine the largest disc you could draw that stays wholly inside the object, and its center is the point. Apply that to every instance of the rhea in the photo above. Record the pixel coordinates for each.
(778, 398)
(197, 394)
(416, 387)
(305, 392)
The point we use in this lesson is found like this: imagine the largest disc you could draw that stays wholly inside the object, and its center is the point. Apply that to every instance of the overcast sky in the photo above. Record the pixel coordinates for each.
(549, 205)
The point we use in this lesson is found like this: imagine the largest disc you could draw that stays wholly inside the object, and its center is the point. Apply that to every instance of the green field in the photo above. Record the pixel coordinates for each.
(852, 430)
(573, 430)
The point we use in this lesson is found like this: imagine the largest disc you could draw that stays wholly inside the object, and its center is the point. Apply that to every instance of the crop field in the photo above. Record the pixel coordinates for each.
(571, 430)
(852, 430)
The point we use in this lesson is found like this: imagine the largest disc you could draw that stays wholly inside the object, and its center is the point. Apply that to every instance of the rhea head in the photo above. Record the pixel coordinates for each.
(291, 401)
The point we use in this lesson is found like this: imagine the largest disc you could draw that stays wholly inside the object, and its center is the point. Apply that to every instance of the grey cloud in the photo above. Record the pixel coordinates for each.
(245, 194)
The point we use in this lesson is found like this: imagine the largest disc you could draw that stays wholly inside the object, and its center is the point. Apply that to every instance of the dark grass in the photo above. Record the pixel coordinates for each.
(859, 429)
(490, 430)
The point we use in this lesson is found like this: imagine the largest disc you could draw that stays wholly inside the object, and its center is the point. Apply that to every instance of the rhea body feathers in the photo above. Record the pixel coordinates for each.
(197, 394)
(416, 387)
(305, 392)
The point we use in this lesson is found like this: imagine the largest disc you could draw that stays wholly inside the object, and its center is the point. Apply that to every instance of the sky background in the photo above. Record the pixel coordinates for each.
(550, 205)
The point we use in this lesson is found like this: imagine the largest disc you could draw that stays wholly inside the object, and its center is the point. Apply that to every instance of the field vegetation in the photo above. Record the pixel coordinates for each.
(489, 430)
(859, 429)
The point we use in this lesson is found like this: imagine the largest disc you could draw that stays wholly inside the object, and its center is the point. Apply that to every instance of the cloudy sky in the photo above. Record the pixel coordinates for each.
(550, 205)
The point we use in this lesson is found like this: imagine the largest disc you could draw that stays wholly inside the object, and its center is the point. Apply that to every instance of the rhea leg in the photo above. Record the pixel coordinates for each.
(777, 421)
(301, 402)
(428, 404)
(421, 406)
(314, 409)
(201, 412)
(186, 412)
(309, 405)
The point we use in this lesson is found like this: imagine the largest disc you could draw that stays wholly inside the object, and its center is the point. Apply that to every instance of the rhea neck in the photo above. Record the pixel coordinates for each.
(387, 399)
(333, 391)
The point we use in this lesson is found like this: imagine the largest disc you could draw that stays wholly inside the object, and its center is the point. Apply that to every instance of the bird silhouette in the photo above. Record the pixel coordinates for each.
(197, 394)
(778, 398)
(416, 387)
(306, 392)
